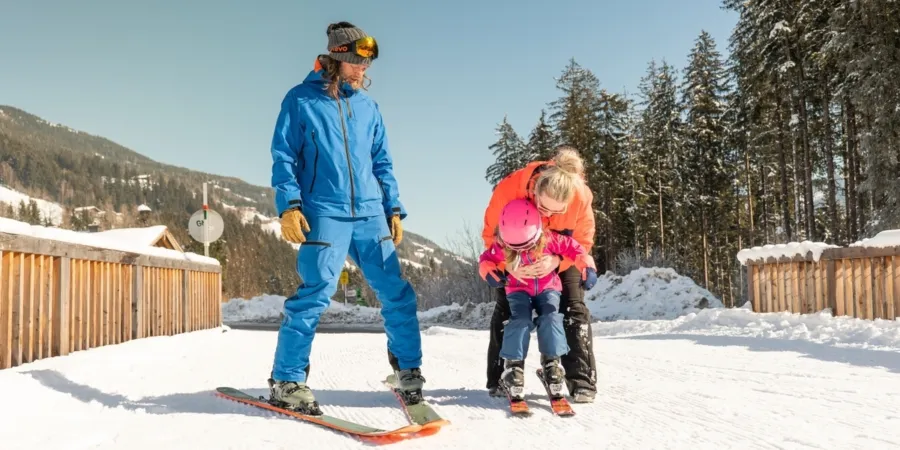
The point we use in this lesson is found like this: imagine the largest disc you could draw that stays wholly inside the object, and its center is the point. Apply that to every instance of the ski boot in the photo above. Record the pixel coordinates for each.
(496, 391)
(513, 379)
(554, 375)
(293, 396)
(583, 396)
(408, 383)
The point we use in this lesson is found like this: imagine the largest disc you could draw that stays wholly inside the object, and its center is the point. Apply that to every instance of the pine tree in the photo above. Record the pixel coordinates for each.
(509, 151)
(865, 43)
(660, 131)
(541, 141)
(707, 164)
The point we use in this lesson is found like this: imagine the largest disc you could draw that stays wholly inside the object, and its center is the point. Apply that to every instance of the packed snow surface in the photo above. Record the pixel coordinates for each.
(707, 386)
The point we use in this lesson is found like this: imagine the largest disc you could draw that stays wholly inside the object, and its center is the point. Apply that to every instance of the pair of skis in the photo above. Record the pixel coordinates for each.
(558, 402)
(423, 420)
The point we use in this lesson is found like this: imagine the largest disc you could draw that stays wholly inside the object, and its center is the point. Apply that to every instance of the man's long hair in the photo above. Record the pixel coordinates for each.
(332, 75)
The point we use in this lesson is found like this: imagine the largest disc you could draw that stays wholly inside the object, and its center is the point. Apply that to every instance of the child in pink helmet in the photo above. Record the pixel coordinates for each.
(521, 239)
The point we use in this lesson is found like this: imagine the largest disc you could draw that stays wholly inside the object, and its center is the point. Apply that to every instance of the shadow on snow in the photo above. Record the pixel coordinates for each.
(205, 402)
(861, 357)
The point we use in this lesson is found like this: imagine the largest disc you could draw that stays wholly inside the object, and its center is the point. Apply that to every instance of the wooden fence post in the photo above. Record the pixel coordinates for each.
(219, 298)
(185, 302)
(137, 315)
(63, 289)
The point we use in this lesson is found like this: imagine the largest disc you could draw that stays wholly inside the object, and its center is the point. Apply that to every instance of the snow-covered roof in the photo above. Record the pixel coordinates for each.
(111, 241)
(143, 207)
(143, 236)
(87, 208)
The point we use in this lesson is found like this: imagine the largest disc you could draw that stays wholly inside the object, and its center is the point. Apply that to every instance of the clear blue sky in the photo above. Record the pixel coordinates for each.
(198, 83)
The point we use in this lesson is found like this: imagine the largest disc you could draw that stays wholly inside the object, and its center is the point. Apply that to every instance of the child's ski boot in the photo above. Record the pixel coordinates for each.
(554, 375)
(513, 379)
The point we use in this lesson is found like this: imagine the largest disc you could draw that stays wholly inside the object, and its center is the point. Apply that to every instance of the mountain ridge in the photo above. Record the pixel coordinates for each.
(238, 192)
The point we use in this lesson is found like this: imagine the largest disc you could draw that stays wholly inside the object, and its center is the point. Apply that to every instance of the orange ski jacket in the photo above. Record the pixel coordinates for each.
(577, 221)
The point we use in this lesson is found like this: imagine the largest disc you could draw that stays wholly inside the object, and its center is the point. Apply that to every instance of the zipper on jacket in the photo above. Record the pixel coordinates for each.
(315, 162)
(349, 163)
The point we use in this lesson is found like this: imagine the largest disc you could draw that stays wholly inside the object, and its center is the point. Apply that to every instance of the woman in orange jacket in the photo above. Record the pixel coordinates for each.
(558, 190)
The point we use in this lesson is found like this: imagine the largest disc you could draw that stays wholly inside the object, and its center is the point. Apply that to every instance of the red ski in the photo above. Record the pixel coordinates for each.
(558, 403)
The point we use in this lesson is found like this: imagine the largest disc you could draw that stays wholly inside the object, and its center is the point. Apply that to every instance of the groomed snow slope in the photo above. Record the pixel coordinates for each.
(707, 388)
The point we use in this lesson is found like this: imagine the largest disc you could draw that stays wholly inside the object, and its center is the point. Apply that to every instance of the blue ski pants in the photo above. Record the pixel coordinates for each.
(517, 332)
(319, 263)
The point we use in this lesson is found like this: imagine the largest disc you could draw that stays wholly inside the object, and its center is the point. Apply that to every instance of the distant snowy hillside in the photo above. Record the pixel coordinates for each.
(49, 210)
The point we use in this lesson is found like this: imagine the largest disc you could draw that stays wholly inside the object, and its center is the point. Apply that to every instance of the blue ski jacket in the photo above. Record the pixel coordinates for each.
(330, 157)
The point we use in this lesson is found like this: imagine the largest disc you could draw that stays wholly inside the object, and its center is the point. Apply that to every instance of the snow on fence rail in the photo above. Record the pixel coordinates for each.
(57, 297)
(857, 281)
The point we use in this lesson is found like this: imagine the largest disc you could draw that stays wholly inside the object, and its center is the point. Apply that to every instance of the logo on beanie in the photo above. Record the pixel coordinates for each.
(340, 49)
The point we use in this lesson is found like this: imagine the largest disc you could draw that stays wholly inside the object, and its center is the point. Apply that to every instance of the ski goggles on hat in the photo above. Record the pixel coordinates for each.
(365, 47)
(525, 245)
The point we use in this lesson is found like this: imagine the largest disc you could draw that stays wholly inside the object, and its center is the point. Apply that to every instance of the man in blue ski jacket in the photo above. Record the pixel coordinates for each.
(336, 194)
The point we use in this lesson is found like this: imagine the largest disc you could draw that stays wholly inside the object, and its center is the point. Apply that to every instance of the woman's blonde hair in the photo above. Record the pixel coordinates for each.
(332, 75)
(560, 179)
(513, 257)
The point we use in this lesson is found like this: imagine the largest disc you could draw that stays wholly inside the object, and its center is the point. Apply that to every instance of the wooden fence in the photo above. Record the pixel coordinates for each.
(56, 297)
(859, 282)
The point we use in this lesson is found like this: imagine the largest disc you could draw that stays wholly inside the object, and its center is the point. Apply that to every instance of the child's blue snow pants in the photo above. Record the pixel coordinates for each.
(517, 332)
(320, 260)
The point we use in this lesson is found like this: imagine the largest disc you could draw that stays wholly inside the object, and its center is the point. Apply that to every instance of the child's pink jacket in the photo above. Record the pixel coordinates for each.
(557, 244)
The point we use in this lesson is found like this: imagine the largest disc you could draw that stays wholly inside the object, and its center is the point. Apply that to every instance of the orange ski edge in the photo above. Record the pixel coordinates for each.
(401, 432)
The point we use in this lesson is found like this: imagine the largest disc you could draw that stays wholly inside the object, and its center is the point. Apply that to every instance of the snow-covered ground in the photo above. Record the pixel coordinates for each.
(644, 294)
(48, 210)
(704, 387)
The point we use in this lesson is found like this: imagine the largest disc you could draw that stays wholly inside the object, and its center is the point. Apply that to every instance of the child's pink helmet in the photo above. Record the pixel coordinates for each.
(520, 224)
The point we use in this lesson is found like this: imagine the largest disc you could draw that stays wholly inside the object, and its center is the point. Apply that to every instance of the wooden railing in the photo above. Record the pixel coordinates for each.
(861, 282)
(57, 297)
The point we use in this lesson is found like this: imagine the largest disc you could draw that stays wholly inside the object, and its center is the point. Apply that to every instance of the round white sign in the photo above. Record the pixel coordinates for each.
(206, 230)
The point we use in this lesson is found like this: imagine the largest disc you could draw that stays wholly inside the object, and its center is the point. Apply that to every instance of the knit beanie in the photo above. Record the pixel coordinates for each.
(342, 33)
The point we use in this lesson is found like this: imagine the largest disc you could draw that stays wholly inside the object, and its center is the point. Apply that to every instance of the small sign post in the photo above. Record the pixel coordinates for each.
(345, 278)
(205, 225)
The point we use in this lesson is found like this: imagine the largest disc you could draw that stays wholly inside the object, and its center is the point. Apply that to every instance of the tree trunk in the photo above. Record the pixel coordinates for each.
(705, 248)
(783, 169)
(828, 148)
(749, 196)
(850, 168)
(662, 227)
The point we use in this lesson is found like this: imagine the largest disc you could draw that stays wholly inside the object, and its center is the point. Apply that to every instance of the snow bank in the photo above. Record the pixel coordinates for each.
(101, 240)
(268, 308)
(788, 250)
(887, 238)
(647, 294)
(821, 327)
(646, 302)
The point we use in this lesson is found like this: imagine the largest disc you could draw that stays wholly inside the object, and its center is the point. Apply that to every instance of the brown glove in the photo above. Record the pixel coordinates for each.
(292, 221)
(396, 229)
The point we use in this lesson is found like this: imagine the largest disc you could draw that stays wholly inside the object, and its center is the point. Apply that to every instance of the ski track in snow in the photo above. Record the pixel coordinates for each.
(657, 391)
